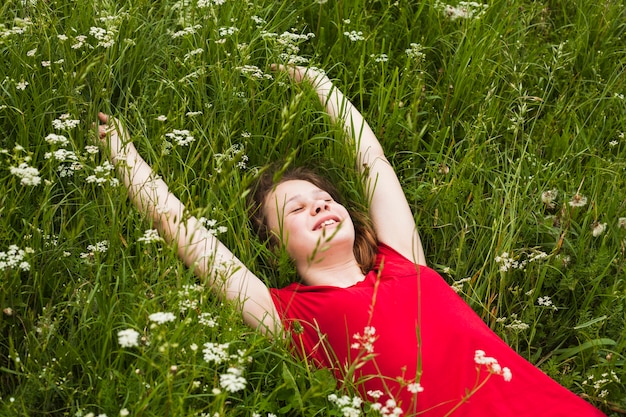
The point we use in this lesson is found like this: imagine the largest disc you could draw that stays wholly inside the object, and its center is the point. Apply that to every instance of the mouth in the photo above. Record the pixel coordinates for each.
(326, 223)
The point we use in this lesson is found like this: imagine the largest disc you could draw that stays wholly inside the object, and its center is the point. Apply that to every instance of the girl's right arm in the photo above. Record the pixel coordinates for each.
(196, 246)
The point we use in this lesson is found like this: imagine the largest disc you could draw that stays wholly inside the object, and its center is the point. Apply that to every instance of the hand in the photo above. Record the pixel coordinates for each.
(110, 126)
(113, 135)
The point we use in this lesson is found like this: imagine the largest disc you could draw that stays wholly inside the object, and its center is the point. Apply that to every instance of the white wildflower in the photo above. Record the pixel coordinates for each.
(21, 85)
(161, 317)
(415, 52)
(128, 338)
(232, 380)
(55, 139)
(28, 175)
(150, 236)
(415, 388)
(354, 36)
(181, 137)
(365, 341)
(464, 10)
(492, 365)
(215, 352)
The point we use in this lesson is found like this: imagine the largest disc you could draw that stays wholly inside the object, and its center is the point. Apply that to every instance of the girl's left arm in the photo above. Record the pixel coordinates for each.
(389, 209)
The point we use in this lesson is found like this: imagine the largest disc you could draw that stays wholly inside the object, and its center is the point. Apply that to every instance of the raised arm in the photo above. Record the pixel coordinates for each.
(390, 212)
(196, 246)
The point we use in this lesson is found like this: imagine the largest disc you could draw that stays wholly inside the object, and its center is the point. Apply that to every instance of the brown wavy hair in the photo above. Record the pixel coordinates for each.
(365, 241)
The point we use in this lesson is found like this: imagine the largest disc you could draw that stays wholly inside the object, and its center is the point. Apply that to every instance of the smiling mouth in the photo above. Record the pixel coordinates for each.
(325, 223)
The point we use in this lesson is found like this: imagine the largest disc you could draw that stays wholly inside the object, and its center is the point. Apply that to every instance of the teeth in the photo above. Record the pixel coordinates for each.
(327, 223)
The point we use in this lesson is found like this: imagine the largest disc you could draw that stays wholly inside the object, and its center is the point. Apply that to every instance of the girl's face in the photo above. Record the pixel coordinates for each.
(307, 220)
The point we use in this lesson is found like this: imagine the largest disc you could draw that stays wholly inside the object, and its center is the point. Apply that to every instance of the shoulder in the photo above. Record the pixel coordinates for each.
(388, 254)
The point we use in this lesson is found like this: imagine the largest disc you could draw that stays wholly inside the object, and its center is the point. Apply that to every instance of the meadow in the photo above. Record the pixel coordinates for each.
(505, 122)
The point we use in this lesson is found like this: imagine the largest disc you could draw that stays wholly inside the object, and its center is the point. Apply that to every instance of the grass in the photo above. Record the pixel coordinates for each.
(527, 98)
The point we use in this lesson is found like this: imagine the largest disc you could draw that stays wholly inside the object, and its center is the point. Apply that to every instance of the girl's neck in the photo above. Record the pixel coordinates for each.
(337, 273)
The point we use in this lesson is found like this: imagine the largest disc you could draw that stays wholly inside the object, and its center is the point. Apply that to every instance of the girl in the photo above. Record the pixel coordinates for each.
(366, 306)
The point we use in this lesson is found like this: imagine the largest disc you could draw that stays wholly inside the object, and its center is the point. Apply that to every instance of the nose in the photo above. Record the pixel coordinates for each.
(319, 205)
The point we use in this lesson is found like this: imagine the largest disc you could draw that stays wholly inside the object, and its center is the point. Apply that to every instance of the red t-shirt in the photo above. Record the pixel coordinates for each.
(403, 324)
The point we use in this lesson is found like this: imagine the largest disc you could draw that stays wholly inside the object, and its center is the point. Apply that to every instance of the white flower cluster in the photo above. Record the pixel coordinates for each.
(99, 247)
(65, 123)
(14, 258)
(20, 26)
(457, 286)
(415, 388)
(102, 175)
(235, 152)
(206, 319)
(181, 137)
(27, 174)
(492, 365)
(379, 57)
(105, 37)
(162, 317)
(232, 380)
(150, 236)
(415, 52)
(69, 159)
(128, 338)
(254, 72)
(599, 384)
(288, 45)
(516, 325)
(216, 352)
(507, 262)
(187, 57)
(464, 10)
(350, 407)
(225, 31)
(54, 139)
(189, 30)
(366, 340)
(389, 409)
(188, 297)
(211, 226)
(208, 3)
(354, 36)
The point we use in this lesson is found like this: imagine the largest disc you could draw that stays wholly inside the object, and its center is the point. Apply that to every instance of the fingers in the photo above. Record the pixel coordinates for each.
(104, 118)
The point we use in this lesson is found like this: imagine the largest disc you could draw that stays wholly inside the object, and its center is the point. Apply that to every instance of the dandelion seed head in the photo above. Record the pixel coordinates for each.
(548, 197)
(598, 229)
(578, 200)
